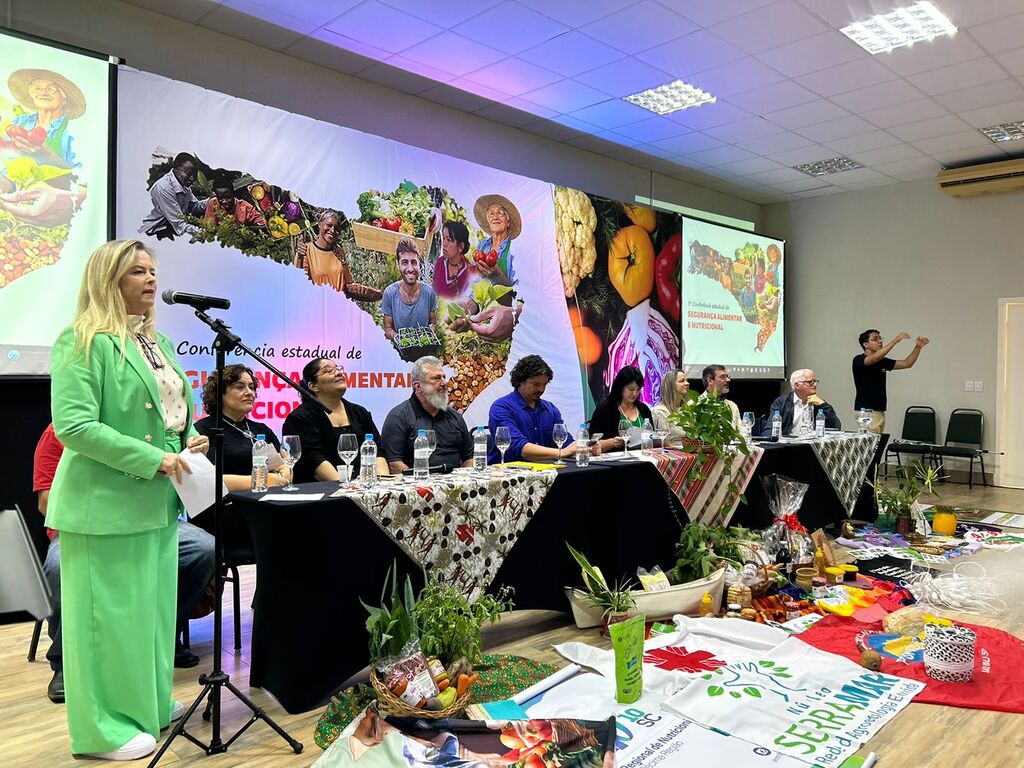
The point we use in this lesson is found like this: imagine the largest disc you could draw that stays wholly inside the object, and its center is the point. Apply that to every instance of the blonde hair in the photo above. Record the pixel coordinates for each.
(669, 396)
(101, 307)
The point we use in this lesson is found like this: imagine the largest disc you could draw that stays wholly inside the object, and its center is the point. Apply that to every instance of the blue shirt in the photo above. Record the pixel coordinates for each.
(526, 425)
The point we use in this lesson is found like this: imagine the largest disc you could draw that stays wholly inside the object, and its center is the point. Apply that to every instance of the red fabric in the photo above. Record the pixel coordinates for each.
(44, 464)
(998, 667)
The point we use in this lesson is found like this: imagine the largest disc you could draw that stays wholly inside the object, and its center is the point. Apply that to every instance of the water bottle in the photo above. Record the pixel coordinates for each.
(863, 419)
(646, 437)
(368, 462)
(421, 456)
(776, 426)
(260, 480)
(583, 446)
(480, 449)
(819, 424)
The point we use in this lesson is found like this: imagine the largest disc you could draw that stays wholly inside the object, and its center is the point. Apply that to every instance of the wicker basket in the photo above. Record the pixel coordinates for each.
(389, 704)
(385, 240)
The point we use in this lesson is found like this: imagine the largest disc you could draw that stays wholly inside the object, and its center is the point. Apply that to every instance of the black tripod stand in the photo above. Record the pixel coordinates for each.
(217, 679)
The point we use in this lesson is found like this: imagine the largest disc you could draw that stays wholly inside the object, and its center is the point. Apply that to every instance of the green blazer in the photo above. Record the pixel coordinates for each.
(109, 418)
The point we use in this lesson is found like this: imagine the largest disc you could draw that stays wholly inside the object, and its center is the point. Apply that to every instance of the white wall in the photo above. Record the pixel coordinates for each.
(166, 46)
(902, 258)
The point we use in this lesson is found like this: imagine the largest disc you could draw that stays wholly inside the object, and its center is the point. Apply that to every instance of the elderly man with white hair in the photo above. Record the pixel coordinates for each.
(800, 408)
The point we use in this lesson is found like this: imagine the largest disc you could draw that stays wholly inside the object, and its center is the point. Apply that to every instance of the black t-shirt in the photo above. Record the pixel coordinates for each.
(320, 438)
(870, 383)
(454, 443)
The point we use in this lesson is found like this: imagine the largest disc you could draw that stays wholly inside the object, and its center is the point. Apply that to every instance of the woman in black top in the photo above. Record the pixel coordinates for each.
(238, 395)
(320, 431)
(622, 403)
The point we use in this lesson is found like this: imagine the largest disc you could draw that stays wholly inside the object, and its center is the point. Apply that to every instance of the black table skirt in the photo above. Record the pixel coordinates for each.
(316, 560)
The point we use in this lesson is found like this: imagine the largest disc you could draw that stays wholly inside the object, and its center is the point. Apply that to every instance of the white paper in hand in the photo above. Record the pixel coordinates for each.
(196, 491)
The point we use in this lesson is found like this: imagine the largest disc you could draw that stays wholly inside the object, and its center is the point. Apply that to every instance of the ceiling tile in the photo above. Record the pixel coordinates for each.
(856, 176)
(722, 155)
(971, 13)
(639, 27)
(553, 131)
(953, 141)
(617, 138)
(910, 165)
(742, 130)
(456, 97)
(506, 115)
(308, 14)
(878, 96)
(535, 109)
(631, 156)
(980, 96)
(770, 26)
(807, 182)
(900, 114)
(625, 77)
(445, 13)
(652, 129)
(329, 55)
(695, 52)
(395, 74)
(813, 54)
(841, 14)
(862, 142)
(573, 13)
(571, 53)
(382, 26)
(1001, 113)
(772, 98)
(687, 144)
(956, 158)
(876, 157)
(779, 142)
(1002, 35)
(510, 27)
(565, 96)
(513, 76)
(846, 77)
(835, 129)
(1013, 61)
(656, 151)
(735, 77)
(932, 54)
(923, 129)
(708, 115)
(611, 114)
(491, 94)
(809, 154)
(351, 44)
(453, 53)
(774, 177)
(417, 68)
(957, 76)
(592, 144)
(269, 34)
(820, 191)
(752, 165)
(707, 13)
(817, 111)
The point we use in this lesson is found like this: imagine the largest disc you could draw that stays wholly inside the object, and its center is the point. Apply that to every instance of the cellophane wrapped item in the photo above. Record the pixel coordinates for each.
(785, 495)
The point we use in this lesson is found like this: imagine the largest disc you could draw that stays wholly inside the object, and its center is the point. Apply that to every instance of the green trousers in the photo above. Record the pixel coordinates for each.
(118, 605)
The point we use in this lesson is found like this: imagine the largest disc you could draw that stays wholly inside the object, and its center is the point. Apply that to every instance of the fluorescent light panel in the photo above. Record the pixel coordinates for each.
(825, 167)
(1005, 131)
(903, 26)
(671, 97)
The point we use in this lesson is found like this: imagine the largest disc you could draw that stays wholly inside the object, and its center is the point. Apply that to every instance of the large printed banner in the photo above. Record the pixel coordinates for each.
(334, 243)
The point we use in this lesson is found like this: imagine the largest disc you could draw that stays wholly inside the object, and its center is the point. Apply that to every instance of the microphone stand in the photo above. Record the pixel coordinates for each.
(212, 683)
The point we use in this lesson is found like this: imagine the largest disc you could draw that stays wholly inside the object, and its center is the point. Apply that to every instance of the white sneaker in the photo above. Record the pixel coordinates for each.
(140, 745)
(178, 711)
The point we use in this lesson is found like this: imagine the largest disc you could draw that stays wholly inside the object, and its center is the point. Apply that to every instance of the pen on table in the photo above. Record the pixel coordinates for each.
(869, 761)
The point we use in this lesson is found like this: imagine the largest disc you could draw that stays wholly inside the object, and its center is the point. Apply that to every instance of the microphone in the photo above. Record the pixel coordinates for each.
(195, 301)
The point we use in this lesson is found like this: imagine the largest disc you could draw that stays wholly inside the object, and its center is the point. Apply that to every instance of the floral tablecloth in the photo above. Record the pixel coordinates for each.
(845, 457)
(461, 526)
(707, 498)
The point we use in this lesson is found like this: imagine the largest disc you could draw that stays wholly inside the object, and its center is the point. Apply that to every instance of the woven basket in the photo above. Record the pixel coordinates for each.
(384, 240)
(389, 704)
(764, 586)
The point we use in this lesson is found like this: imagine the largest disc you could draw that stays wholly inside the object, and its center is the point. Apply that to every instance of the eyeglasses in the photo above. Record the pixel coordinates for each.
(815, 382)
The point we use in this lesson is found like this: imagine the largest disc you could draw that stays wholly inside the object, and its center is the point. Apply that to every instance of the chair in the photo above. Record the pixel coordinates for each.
(966, 428)
(919, 426)
(233, 558)
(34, 642)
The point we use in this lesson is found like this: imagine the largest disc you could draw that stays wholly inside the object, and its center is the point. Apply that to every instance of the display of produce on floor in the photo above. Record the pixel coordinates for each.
(899, 503)
(620, 273)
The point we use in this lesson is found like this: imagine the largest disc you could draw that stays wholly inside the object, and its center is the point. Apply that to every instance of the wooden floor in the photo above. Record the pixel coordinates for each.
(33, 731)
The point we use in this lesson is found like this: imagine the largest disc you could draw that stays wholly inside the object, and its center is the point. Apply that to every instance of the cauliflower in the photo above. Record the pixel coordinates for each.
(575, 221)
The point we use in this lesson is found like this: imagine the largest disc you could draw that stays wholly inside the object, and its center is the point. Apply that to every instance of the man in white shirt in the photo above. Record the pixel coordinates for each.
(800, 408)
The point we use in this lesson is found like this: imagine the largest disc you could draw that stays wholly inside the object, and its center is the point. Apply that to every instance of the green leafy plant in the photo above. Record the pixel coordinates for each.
(450, 625)
(616, 599)
(703, 549)
(898, 501)
(707, 422)
(393, 623)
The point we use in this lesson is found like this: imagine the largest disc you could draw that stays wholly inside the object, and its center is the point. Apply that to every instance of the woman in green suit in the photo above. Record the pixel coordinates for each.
(122, 408)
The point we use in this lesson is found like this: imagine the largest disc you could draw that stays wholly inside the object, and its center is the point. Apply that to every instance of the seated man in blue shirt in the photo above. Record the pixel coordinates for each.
(530, 420)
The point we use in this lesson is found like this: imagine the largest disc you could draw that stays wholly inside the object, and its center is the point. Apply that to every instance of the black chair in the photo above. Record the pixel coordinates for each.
(919, 426)
(233, 558)
(966, 428)
(34, 642)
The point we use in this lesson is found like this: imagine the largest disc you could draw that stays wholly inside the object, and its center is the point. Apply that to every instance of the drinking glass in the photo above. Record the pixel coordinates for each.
(502, 441)
(560, 435)
(624, 427)
(431, 441)
(347, 449)
(291, 451)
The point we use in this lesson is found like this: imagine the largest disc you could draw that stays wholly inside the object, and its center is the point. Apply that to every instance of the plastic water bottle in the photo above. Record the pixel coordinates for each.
(819, 424)
(421, 456)
(480, 449)
(368, 462)
(583, 446)
(260, 480)
(646, 437)
(776, 426)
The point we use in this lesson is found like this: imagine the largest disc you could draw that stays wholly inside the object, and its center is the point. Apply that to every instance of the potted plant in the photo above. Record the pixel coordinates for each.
(703, 549)
(450, 625)
(898, 503)
(707, 421)
(393, 623)
(615, 602)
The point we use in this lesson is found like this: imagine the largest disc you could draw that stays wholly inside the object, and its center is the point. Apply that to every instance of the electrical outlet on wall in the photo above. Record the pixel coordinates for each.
(968, 385)
(979, 386)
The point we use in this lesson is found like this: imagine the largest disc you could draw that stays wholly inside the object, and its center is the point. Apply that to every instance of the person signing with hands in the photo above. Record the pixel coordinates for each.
(870, 367)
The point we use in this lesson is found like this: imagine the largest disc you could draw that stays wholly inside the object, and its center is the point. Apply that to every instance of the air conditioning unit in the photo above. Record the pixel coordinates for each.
(984, 179)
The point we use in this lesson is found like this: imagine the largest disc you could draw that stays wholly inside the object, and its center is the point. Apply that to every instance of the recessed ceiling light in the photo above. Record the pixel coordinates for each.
(825, 167)
(671, 97)
(903, 26)
(1005, 131)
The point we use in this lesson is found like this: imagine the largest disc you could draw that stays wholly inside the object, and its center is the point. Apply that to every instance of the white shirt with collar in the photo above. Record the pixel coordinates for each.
(803, 413)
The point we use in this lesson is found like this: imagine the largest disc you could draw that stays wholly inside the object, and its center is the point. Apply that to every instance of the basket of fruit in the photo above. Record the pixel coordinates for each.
(416, 342)
(405, 697)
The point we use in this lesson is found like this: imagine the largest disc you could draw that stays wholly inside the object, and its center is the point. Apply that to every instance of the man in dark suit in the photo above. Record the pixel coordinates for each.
(802, 405)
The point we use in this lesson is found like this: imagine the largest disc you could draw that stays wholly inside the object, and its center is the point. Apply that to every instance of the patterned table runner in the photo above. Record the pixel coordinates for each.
(845, 458)
(459, 527)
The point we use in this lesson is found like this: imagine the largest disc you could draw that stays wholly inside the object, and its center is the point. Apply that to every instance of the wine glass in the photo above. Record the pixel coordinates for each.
(347, 450)
(560, 435)
(624, 427)
(431, 441)
(502, 441)
(291, 451)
